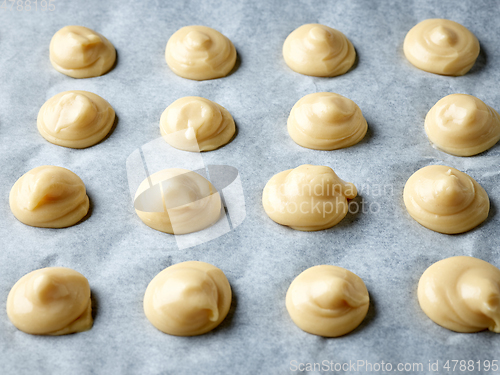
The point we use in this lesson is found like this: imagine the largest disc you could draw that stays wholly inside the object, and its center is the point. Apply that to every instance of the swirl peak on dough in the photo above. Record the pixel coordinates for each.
(200, 53)
(51, 301)
(75, 119)
(326, 121)
(193, 123)
(49, 197)
(188, 299)
(462, 294)
(80, 52)
(307, 198)
(445, 200)
(462, 125)
(177, 201)
(318, 50)
(442, 47)
(327, 300)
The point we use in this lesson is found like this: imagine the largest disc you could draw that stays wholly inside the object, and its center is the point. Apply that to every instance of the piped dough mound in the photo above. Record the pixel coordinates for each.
(193, 123)
(307, 198)
(80, 52)
(445, 200)
(318, 50)
(442, 47)
(51, 301)
(462, 125)
(200, 53)
(328, 301)
(188, 299)
(49, 197)
(326, 121)
(177, 201)
(462, 294)
(75, 119)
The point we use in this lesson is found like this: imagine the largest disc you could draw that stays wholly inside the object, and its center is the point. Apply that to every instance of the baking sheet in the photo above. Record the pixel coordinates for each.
(120, 255)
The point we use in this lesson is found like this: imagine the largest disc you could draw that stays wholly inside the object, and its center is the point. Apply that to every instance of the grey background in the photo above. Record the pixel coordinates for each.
(120, 255)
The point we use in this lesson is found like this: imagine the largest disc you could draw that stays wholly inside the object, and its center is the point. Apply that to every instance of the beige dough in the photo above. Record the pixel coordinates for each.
(193, 123)
(188, 299)
(318, 50)
(462, 294)
(327, 301)
(179, 201)
(76, 119)
(445, 200)
(200, 53)
(326, 121)
(441, 47)
(307, 198)
(80, 52)
(49, 197)
(462, 125)
(51, 301)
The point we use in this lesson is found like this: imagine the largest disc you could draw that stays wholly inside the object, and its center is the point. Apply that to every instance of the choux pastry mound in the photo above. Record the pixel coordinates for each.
(462, 294)
(80, 52)
(188, 299)
(441, 47)
(326, 121)
(445, 200)
(327, 301)
(462, 125)
(196, 124)
(76, 119)
(177, 201)
(49, 197)
(51, 301)
(318, 50)
(307, 198)
(200, 53)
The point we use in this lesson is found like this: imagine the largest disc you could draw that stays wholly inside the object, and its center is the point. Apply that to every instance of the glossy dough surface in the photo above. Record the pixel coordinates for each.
(76, 119)
(328, 301)
(80, 52)
(50, 197)
(193, 123)
(177, 201)
(462, 125)
(188, 299)
(51, 301)
(307, 198)
(318, 50)
(445, 200)
(442, 47)
(326, 121)
(200, 53)
(462, 294)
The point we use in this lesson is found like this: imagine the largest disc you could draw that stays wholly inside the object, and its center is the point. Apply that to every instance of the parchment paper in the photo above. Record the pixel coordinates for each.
(120, 255)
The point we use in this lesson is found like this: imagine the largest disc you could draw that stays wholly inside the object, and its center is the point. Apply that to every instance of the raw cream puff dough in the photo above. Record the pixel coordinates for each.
(442, 47)
(75, 119)
(179, 201)
(445, 200)
(462, 125)
(51, 301)
(328, 301)
(49, 197)
(80, 52)
(193, 123)
(200, 53)
(326, 121)
(307, 198)
(188, 299)
(462, 294)
(318, 50)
